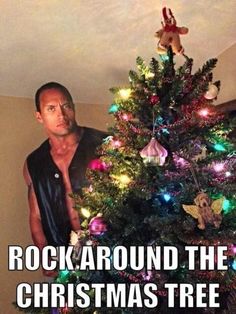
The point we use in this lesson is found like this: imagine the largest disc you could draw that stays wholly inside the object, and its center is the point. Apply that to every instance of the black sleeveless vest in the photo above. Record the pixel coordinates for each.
(49, 188)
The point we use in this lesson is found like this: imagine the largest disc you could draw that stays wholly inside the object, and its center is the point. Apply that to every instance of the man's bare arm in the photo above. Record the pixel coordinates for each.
(36, 228)
(34, 214)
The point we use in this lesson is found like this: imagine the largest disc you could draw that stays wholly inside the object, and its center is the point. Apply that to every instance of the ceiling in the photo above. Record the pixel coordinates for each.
(90, 45)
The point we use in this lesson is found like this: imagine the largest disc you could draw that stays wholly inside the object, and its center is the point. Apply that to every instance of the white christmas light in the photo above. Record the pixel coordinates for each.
(203, 112)
(85, 212)
(125, 93)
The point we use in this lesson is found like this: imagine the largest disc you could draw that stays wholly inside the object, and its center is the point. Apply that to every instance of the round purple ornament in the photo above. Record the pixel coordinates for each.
(97, 226)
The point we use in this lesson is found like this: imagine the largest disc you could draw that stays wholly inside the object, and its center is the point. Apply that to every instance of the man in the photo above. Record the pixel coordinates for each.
(57, 168)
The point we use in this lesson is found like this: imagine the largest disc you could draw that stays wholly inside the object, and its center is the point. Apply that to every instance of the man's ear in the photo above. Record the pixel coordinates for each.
(38, 117)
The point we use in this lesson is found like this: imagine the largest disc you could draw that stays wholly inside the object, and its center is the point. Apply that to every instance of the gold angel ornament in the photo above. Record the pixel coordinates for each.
(206, 211)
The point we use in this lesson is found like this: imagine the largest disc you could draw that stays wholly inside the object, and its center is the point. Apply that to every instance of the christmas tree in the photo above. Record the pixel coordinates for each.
(165, 176)
(169, 147)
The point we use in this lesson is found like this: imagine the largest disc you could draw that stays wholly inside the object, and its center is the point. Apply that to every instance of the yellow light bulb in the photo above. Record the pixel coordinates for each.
(122, 180)
(149, 75)
(125, 93)
(85, 212)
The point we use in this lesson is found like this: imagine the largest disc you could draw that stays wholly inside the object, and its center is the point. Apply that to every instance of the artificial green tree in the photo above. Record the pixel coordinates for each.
(168, 145)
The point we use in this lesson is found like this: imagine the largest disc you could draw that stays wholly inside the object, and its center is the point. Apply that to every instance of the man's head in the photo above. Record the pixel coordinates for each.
(51, 85)
(55, 109)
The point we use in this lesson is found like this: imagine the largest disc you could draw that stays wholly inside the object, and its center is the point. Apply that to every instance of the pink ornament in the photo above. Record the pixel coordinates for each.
(98, 164)
(180, 162)
(97, 226)
(154, 99)
(126, 116)
(154, 153)
(233, 249)
(116, 143)
(218, 167)
(147, 275)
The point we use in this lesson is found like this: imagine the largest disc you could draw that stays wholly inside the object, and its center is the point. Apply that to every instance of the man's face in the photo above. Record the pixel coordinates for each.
(57, 113)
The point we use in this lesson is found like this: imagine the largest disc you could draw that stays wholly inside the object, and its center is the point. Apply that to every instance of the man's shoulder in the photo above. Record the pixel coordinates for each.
(94, 134)
(39, 152)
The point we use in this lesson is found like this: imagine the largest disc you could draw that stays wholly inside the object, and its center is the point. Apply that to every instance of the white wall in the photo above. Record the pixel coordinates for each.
(225, 71)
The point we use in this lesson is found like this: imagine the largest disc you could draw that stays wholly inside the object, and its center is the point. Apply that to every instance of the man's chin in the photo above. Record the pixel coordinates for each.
(63, 132)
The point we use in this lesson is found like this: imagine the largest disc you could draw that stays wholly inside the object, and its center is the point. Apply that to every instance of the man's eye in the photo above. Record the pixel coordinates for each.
(67, 106)
(51, 108)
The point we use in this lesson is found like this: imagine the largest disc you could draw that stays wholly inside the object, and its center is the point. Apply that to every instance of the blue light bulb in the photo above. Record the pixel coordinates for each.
(165, 131)
(166, 197)
(234, 265)
(113, 108)
(164, 57)
(226, 205)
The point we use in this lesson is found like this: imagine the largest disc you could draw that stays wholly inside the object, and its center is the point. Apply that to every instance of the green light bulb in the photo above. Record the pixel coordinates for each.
(219, 147)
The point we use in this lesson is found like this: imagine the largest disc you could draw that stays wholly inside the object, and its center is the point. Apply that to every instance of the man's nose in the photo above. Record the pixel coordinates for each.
(60, 111)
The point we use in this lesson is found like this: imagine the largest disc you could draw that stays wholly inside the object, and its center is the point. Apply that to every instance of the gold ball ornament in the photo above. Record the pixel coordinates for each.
(212, 92)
